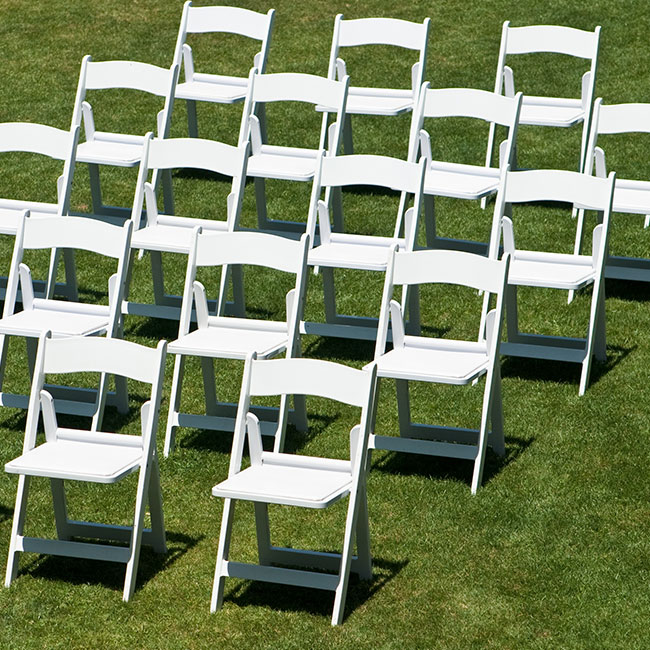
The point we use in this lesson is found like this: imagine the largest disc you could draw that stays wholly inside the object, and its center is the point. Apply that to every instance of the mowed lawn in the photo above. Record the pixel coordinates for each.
(553, 551)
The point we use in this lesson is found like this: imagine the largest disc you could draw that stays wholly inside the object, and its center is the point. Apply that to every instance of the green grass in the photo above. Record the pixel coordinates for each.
(553, 552)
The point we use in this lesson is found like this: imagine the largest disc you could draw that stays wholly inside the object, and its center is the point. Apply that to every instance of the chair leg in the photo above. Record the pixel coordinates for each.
(4, 345)
(95, 188)
(168, 192)
(577, 246)
(223, 551)
(192, 124)
(595, 343)
(60, 508)
(329, 294)
(17, 528)
(238, 296)
(263, 532)
(348, 146)
(209, 385)
(158, 535)
(497, 441)
(283, 413)
(32, 347)
(158, 277)
(512, 317)
(363, 538)
(403, 407)
(174, 403)
(430, 220)
(412, 325)
(260, 202)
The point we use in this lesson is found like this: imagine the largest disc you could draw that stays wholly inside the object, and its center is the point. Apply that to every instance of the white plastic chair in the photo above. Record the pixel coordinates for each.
(346, 250)
(118, 149)
(170, 233)
(226, 337)
(553, 270)
(91, 456)
(378, 31)
(296, 480)
(210, 87)
(441, 360)
(461, 180)
(45, 141)
(630, 196)
(284, 162)
(64, 318)
(550, 111)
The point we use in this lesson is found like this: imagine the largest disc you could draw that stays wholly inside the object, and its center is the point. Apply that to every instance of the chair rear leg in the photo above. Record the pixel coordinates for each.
(263, 532)
(60, 508)
(260, 202)
(348, 145)
(192, 124)
(403, 407)
(209, 385)
(95, 188)
(158, 535)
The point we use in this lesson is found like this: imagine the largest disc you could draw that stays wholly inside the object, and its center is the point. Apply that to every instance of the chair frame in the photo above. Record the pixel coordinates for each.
(445, 267)
(134, 75)
(552, 39)
(378, 31)
(226, 250)
(165, 155)
(225, 89)
(111, 356)
(586, 192)
(312, 377)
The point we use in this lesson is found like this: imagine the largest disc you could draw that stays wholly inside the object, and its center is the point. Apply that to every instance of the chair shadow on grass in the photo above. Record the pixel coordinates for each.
(627, 290)
(6, 513)
(110, 575)
(314, 601)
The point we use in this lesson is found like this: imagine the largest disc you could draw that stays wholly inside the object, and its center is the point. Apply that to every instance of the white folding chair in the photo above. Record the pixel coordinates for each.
(210, 87)
(118, 149)
(285, 162)
(64, 318)
(52, 143)
(554, 270)
(378, 31)
(226, 337)
(91, 456)
(347, 250)
(630, 196)
(549, 110)
(442, 360)
(298, 480)
(461, 180)
(170, 233)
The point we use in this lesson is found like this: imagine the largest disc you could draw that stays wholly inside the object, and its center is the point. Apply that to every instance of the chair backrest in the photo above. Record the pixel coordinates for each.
(133, 75)
(381, 31)
(466, 102)
(229, 20)
(308, 377)
(370, 170)
(442, 267)
(247, 248)
(99, 355)
(46, 141)
(193, 153)
(298, 87)
(553, 39)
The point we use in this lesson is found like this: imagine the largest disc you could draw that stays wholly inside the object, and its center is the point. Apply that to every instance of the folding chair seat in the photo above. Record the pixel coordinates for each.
(227, 337)
(118, 149)
(378, 31)
(52, 143)
(91, 456)
(211, 87)
(553, 270)
(346, 250)
(631, 196)
(170, 233)
(454, 179)
(298, 480)
(288, 162)
(64, 318)
(444, 361)
(549, 110)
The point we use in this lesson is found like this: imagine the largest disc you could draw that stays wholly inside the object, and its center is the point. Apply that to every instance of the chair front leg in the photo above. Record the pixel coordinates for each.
(174, 404)
(223, 552)
(17, 528)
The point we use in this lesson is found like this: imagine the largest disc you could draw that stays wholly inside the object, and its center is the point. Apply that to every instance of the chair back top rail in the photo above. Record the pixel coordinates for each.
(36, 138)
(382, 31)
(621, 118)
(233, 20)
(133, 75)
(554, 39)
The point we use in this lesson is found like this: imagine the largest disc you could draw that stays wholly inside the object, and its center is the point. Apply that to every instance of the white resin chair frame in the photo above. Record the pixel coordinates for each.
(550, 111)
(555, 270)
(296, 480)
(159, 233)
(444, 361)
(454, 179)
(630, 196)
(337, 249)
(289, 163)
(211, 87)
(119, 149)
(91, 456)
(378, 31)
(226, 337)
(64, 318)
